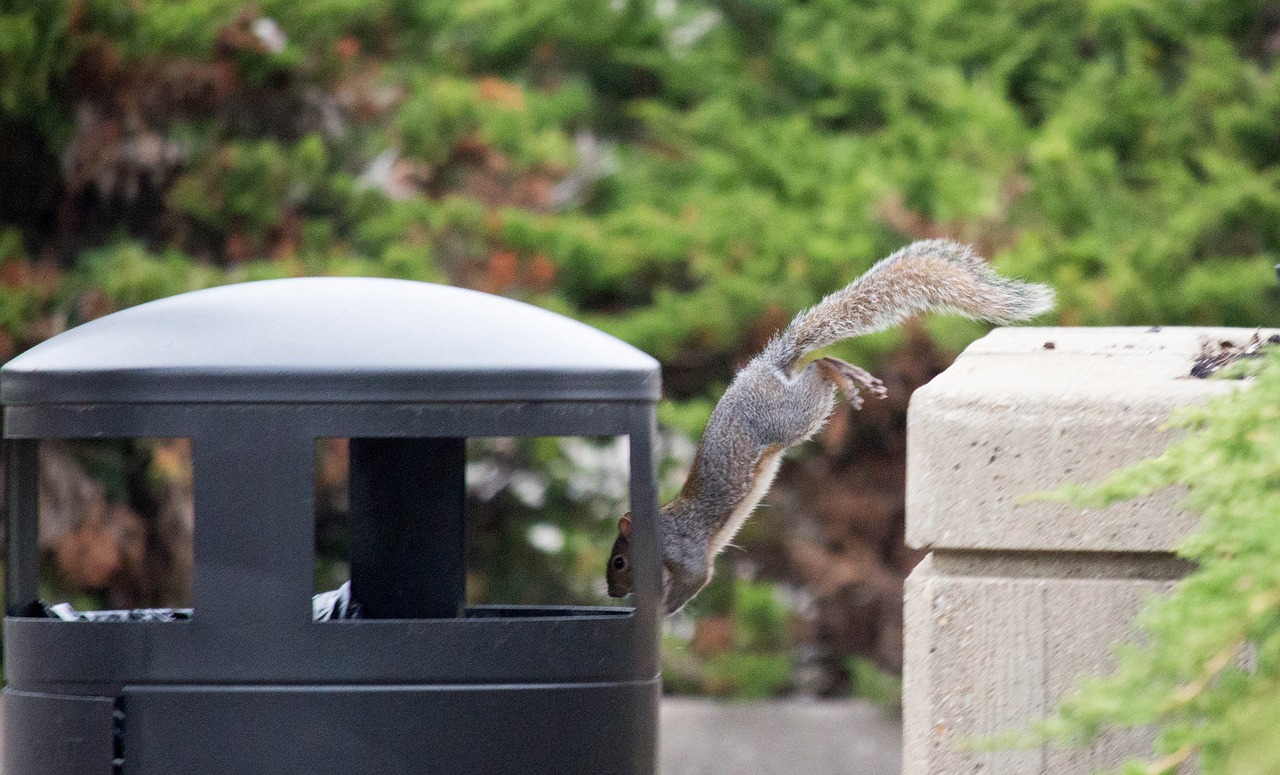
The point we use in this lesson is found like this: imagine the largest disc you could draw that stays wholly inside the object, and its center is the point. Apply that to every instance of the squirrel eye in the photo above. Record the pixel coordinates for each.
(619, 562)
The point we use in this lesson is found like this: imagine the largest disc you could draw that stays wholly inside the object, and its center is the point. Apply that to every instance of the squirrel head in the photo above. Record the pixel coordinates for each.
(618, 572)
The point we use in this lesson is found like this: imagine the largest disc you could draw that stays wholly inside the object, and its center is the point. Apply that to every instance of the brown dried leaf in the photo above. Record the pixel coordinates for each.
(498, 91)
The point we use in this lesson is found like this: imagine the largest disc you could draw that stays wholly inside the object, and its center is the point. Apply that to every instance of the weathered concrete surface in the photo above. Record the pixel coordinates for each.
(706, 737)
(990, 655)
(1019, 599)
(1011, 418)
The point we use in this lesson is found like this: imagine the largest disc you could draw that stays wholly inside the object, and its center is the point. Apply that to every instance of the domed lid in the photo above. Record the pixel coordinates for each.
(330, 339)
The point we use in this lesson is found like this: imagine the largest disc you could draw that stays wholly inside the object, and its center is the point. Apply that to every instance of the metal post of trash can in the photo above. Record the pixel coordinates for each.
(408, 527)
(22, 527)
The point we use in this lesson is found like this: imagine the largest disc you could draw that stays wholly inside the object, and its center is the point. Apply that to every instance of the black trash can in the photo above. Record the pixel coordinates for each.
(254, 374)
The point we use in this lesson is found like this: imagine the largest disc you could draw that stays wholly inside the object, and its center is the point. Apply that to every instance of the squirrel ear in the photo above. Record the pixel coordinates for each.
(624, 525)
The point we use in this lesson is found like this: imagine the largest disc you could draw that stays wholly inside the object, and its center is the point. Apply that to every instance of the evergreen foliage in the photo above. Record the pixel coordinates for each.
(681, 174)
(685, 174)
(1208, 672)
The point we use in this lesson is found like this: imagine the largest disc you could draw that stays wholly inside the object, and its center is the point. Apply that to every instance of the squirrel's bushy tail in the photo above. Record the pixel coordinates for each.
(930, 275)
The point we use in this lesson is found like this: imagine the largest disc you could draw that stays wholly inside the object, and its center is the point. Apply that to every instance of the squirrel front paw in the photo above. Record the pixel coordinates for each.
(681, 581)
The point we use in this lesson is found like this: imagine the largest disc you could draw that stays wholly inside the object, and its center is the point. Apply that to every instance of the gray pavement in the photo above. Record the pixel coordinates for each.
(706, 737)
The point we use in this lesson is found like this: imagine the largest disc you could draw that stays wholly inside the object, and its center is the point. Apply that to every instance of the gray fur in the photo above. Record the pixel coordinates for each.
(950, 278)
(769, 407)
(762, 408)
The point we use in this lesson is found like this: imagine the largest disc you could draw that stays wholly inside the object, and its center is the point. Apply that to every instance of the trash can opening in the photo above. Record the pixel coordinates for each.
(481, 527)
(116, 520)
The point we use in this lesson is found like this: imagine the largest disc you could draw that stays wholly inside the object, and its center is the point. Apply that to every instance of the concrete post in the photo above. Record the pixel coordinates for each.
(1017, 601)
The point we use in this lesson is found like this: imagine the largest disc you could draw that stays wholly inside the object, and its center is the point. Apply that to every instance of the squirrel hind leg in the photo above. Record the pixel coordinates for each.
(852, 380)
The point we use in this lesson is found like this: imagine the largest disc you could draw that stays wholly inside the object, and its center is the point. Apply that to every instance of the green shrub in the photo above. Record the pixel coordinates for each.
(1208, 673)
(686, 176)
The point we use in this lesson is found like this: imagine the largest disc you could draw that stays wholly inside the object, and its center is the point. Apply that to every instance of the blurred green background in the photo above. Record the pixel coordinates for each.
(683, 175)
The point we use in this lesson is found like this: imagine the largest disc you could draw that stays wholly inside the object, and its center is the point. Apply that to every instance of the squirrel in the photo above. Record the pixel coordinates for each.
(773, 404)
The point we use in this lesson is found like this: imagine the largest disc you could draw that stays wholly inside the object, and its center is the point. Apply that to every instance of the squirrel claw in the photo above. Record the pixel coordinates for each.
(852, 380)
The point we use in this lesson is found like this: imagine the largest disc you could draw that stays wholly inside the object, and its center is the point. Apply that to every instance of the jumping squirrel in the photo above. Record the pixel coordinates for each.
(773, 404)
